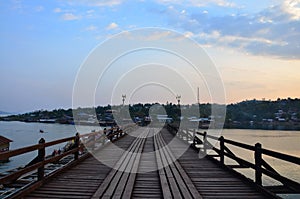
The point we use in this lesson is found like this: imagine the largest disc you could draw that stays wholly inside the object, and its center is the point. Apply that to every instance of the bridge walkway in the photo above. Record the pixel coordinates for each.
(138, 173)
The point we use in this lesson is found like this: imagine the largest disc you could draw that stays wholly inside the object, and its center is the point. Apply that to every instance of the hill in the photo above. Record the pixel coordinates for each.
(281, 114)
(4, 113)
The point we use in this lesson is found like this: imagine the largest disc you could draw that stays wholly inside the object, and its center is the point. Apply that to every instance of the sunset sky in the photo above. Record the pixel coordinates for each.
(255, 45)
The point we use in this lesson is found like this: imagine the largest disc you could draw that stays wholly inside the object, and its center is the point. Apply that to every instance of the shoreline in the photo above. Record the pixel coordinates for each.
(270, 128)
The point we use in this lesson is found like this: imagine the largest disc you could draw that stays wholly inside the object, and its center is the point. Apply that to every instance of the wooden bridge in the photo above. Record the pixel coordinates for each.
(136, 162)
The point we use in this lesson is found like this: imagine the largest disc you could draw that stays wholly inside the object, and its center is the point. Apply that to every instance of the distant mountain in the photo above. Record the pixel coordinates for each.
(4, 113)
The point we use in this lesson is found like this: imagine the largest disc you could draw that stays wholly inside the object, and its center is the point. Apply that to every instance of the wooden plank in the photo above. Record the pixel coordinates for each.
(179, 189)
(162, 175)
(119, 188)
(211, 180)
(186, 185)
(114, 187)
(130, 183)
(122, 178)
(184, 177)
(84, 180)
(110, 176)
(185, 188)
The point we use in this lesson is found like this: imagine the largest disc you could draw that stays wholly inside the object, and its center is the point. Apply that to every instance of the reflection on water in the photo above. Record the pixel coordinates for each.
(25, 134)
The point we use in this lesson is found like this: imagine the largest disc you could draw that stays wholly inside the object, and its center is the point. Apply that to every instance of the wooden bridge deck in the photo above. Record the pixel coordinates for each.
(188, 177)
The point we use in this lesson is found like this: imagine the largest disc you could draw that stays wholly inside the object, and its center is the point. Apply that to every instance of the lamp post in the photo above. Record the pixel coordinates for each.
(178, 97)
(123, 98)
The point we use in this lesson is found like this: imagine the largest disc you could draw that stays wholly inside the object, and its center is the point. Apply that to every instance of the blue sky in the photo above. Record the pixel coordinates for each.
(255, 44)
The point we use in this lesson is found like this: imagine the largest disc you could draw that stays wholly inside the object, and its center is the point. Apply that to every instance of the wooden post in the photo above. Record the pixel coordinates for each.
(41, 157)
(103, 139)
(222, 149)
(194, 133)
(187, 135)
(205, 142)
(76, 145)
(118, 133)
(104, 136)
(258, 163)
(121, 132)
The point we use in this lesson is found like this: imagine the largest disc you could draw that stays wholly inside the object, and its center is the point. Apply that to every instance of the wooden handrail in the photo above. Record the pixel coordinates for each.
(13, 176)
(281, 156)
(208, 136)
(260, 165)
(39, 162)
(7, 154)
(278, 155)
(239, 144)
(47, 144)
(15, 152)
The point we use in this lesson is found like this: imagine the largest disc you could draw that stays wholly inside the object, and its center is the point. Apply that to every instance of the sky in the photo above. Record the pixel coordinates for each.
(254, 45)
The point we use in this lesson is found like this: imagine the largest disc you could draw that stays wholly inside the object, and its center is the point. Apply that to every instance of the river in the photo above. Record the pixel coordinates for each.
(281, 141)
(286, 142)
(24, 134)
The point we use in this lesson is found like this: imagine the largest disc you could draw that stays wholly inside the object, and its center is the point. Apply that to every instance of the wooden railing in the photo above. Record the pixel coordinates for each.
(199, 141)
(79, 143)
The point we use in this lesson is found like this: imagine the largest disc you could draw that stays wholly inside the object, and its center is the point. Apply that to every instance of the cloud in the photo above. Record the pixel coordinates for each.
(241, 41)
(222, 3)
(57, 10)
(274, 31)
(292, 7)
(90, 12)
(197, 3)
(39, 8)
(70, 17)
(17, 4)
(98, 3)
(188, 34)
(155, 36)
(105, 2)
(112, 26)
(91, 28)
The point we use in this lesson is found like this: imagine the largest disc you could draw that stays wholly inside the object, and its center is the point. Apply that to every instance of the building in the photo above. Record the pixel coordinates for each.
(4, 145)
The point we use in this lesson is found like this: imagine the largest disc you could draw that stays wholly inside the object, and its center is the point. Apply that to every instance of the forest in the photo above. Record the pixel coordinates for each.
(262, 114)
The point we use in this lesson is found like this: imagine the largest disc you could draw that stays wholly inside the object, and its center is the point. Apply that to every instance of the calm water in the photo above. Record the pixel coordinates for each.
(24, 134)
(287, 142)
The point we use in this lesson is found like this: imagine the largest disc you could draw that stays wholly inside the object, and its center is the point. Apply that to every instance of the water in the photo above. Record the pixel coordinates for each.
(286, 142)
(25, 134)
